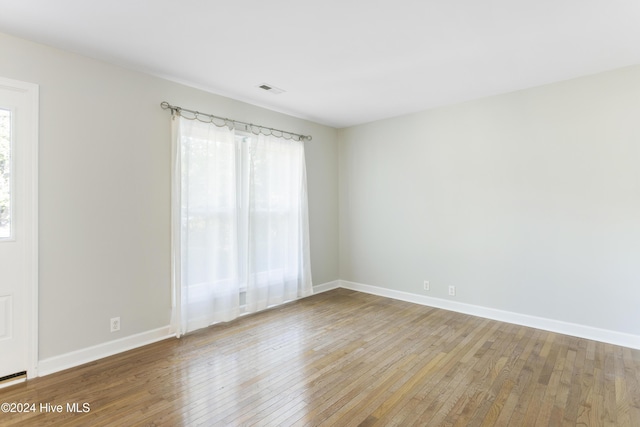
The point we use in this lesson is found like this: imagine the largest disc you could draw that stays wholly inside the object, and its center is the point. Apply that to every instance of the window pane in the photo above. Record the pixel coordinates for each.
(5, 173)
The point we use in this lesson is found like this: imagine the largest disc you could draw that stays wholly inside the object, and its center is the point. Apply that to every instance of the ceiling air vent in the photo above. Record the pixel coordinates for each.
(271, 89)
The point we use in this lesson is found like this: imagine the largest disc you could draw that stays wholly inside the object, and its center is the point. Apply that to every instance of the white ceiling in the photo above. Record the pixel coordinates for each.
(343, 62)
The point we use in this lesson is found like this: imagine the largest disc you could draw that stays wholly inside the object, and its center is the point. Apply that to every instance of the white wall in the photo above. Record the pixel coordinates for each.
(105, 192)
(527, 202)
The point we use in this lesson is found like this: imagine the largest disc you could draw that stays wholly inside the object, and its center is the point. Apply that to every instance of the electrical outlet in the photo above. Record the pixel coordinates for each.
(426, 285)
(452, 291)
(115, 324)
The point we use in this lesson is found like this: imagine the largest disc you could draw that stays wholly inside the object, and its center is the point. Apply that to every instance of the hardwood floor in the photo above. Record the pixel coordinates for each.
(347, 359)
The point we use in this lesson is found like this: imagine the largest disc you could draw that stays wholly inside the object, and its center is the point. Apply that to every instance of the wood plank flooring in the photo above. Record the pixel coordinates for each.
(344, 358)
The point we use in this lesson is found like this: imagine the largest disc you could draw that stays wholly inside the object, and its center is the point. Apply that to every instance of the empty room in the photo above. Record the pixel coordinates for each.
(305, 213)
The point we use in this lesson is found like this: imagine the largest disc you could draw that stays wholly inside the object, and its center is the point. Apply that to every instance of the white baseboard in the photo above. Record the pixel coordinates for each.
(324, 287)
(566, 328)
(86, 355)
(90, 354)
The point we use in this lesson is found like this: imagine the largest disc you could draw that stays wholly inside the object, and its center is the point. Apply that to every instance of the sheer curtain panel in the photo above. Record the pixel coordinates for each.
(239, 223)
(278, 247)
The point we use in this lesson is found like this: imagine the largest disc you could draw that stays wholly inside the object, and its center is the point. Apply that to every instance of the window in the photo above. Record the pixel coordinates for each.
(243, 226)
(5, 174)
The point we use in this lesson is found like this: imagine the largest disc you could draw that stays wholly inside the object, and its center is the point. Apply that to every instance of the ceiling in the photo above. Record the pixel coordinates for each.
(343, 62)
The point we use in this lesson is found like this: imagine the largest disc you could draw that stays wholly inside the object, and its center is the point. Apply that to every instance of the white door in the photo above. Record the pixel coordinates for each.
(18, 227)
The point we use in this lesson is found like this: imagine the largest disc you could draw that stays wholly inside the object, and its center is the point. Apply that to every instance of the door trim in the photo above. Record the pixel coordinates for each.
(30, 141)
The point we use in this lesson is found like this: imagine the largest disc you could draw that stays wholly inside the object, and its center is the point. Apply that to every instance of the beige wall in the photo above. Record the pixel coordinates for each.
(527, 202)
(105, 192)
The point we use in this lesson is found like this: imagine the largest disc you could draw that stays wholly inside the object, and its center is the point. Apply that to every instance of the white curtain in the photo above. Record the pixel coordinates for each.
(278, 238)
(239, 223)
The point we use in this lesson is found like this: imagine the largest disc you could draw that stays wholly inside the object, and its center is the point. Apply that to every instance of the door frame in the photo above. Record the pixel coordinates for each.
(29, 143)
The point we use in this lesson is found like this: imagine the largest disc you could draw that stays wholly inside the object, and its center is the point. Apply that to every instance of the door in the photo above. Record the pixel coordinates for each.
(18, 228)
